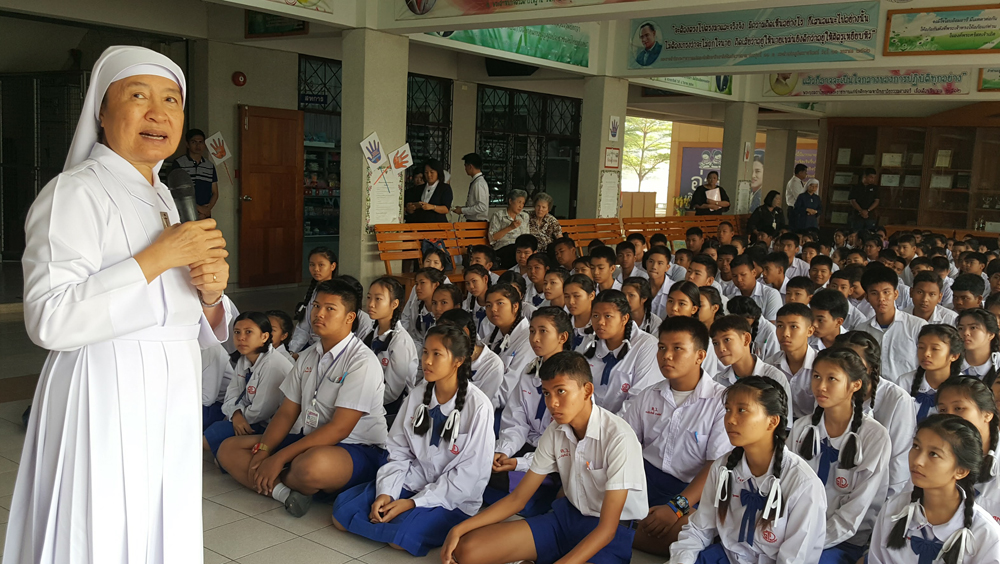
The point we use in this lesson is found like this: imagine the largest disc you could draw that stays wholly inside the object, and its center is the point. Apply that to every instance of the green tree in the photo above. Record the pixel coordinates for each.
(647, 145)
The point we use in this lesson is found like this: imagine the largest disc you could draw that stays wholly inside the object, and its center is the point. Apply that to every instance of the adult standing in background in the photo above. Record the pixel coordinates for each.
(506, 225)
(430, 202)
(795, 186)
(705, 205)
(864, 199)
(767, 215)
(122, 297)
(201, 171)
(477, 204)
(543, 225)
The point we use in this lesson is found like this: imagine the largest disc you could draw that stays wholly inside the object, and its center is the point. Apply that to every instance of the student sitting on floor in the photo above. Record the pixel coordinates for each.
(281, 332)
(524, 246)
(417, 316)
(477, 283)
(598, 460)
(765, 338)
(602, 268)
(440, 449)
(640, 299)
(895, 330)
(579, 295)
(538, 265)
(731, 338)
(793, 329)
(487, 368)
(509, 336)
(390, 342)
(322, 267)
(628, 265)
(216, 373)
(555, 280)
(939, 355)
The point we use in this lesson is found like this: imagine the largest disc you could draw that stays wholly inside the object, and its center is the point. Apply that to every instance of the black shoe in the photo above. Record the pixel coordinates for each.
(297, 504)
(25, 416)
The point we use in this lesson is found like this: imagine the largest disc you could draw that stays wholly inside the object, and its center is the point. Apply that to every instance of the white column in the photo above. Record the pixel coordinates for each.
(740, 129)
(464, 103)
(603, 97)
(374, 99)
(779, 161)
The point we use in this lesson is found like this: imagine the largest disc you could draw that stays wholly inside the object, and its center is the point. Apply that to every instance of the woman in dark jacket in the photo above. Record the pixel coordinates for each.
(767, 214)
(430, 202)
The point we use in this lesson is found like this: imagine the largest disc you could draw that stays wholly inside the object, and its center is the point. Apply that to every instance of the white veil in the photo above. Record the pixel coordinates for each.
(116, 63)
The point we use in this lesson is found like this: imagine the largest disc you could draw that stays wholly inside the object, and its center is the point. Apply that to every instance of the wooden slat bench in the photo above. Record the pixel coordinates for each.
(583, 231)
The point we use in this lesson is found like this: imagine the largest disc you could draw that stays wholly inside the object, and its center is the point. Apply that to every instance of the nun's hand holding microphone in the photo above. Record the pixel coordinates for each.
(196, 244)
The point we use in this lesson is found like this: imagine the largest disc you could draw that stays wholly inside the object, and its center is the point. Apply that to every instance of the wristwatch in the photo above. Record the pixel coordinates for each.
(682, 504)
(262, 447)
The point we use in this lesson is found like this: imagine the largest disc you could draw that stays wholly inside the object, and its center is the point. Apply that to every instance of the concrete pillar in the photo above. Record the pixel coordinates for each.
(464, 103)
(603, 97)
(740, 129)
(779, 164)
(374, 99)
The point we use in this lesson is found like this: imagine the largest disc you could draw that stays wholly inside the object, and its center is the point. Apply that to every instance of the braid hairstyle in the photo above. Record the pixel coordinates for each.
(975, 390)
(586, 284)
(300, 310)
(850, 362)
(396, 292)
(560, 320)
(454, 292)
(514, 279)
(514, 296)
(460, 346)
(989, 322)
(617, 299)
(642, 288)
(770, 395)
(871, 354)
(286, 323)
(478, 270)
(262, 322)
(967, 446)
(956, 345)
(435, 277)
(747, 308)
(714, 298)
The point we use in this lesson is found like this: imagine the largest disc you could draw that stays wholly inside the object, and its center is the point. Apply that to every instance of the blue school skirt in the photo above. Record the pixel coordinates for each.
(660, 486)
(713, 554)
(211, 414)
(416, 531)
(843, 553)
(222, 430)
(558, 532)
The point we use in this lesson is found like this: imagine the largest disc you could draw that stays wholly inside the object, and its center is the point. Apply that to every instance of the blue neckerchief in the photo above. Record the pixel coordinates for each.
(537, 299)
(926, 550)
(925, 401)
(437, 424)
(828, 455)
(753, 501)
(378, 345)
(540, 411)
(480, 315)
(609, 362)
(577, 340)
(425, 321)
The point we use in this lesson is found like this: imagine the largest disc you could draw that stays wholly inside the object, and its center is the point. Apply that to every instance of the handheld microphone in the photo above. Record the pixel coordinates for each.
(182, 190)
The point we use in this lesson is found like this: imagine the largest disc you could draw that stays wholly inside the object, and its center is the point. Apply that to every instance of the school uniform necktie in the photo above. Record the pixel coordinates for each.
(425, 321)
(437, 424)
(537, 299)
(925, 401)
(753, 503)
(379, 344)
(609, 363)
(480, 315)
(927, 550)
(577, 340)
(246, 386)
(828, 455)
(540, 410)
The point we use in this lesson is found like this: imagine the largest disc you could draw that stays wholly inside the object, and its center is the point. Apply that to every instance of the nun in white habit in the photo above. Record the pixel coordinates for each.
(112, 461)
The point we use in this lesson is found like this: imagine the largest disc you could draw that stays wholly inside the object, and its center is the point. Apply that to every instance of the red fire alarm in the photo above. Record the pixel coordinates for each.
(239, 79)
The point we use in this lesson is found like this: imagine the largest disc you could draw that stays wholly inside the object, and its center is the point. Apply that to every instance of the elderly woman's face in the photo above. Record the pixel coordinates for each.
(541, 209)
(516, 205)
(143, 118)
(430, 175)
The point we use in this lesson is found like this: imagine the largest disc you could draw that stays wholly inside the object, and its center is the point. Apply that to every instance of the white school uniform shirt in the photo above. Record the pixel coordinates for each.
(487, 375)
(905, 382)
(364, 325)
(442, 475)
(531, 295)
(727, 377)
(586, 334)
(302, 335)
(659, 305)
(349, 376)
(728, 287)
(651, 324)
(615, 285)
(472, 306)
(518, 423)
(800, 383)
(767, 339)
(796, 536)
(947, 294)
(680, 439)
(981, 370)
(798, 267)
(899, 343)
(676, 272)
(864, 308)
(988, 496)
(399, 362)
(216, 373)
(904, 299)
(895, 411)
(409, 313)
(711, 365)
(817, 343)
(260, 396)
(632, 374)
(607, 458)
(766, 297)
(280, 349)
(981, 547)
(853, 496)
(636, 271)
(515, 354)
(854, 318)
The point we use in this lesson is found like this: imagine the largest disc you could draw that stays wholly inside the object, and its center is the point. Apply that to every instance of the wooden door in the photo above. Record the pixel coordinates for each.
(271, 198)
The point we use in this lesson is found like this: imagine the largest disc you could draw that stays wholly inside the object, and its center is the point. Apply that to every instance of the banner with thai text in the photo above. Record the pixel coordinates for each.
(943, 31)
(561, 43)
(413, 9)
(877, 82)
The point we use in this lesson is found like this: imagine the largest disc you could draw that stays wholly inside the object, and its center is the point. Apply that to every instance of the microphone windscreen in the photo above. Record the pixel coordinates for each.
(180, 183)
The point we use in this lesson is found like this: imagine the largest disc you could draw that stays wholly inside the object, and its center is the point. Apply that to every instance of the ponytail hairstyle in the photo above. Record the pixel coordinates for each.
(746, 308)
(714, 298)
(956, 345)
(514, 296)
(462, 319)
(989, 322)
(850, 362)
(435, 276)
(396, 292)
(460, 346)
(976, 391)
(690, 290)
(642, 288)
(771, 397)
(618, 299)
(871, 353)
(454, 292)
(560, 320)
(300, 310)
(967, 446)
(286, 323)
(585, 283)
(262, 322)
(478, 270)
(359, 291)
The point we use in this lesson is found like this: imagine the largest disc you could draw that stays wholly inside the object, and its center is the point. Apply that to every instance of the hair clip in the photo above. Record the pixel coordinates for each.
(966, 542)
(773, 499)
(722, 488)
(453, 421)
(422, 412)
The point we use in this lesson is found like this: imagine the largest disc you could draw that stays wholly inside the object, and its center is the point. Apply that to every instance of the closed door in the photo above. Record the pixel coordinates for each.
(271, 198)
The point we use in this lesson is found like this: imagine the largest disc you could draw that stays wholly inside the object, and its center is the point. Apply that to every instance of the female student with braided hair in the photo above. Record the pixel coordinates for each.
(710, 310)
(487, 368)
(439, 456)
(446, 297)
(579, 294)
(322, 267)
(762, 331)
(939, 520)
(281, 332)
(477, 283)
(971, 400)
(509, 338)
(622, 358)
(848, 450)
(555, 280)
(887, 403)
(538, 265)
(640, 299)
(390, 342)
(417, 316)
(939, 355)
(683, 299)
(981, 336)
(763, 501)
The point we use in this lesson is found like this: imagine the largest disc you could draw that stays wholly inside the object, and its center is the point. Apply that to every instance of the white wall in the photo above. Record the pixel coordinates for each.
(180, 18)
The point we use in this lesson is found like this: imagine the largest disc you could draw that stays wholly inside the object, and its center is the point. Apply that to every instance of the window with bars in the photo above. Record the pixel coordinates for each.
(320, 84)
(428, 119)
(520, 135)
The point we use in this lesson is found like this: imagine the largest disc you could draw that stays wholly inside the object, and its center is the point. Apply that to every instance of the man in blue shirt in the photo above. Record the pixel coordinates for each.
(651, 49)
(202, 172)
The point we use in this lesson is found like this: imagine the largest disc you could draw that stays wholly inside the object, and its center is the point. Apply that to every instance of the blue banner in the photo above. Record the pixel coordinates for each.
(769, 36)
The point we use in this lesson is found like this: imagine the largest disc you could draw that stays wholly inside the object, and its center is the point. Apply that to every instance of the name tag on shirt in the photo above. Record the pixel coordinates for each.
(165, 219)
(312, 418)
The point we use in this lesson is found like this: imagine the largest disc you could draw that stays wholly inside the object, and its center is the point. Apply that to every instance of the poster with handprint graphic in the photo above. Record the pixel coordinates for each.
(614, 128)
(375, 154)
(218, 150)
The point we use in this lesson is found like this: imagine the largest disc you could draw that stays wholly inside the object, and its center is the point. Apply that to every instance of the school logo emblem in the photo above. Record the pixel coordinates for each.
(251, 390)
(841, 482)
(385, 362)
(563, 452)
(769, 536)
(653, 411)
(625, 388)
(997, 519)
(308, 369)
(454, 449)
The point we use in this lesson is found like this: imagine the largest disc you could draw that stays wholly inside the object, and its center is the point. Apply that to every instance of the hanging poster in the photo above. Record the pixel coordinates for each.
(795, 34)
(989, 80)
(609, 192)
(414, 9)
(385, 195)
(560, 43)
(720, 84)
(943, 31)
(373, 151)
(941, 82)
(614, 128)
(325, 6)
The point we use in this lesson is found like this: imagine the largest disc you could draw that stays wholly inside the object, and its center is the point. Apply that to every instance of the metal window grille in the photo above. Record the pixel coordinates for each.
(320, 84)
(428, 119)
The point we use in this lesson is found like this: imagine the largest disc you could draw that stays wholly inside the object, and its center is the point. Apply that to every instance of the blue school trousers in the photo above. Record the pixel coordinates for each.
(660, 486)
(502, 483)
(713, 554)
(558, 532)
(211, 414)
(222, 430)
(416, 531)
(843, 553)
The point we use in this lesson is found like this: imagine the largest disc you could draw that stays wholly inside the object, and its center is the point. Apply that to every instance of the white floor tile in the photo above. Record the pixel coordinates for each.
(244, 537)
(347, 543)
(7, 480)
(317, 518)
(246, 501)
(215, 558)
(298, 551)
(13, 410)
(389, 555)
(5, 501)
(4, 516)
(215, 515)
(646, 558)
(217, 483)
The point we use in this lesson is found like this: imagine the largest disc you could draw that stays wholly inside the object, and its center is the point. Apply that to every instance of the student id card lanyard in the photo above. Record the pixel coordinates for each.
(312, 415)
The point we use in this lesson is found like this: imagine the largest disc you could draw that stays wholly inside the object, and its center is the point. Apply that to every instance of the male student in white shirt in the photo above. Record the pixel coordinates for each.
(731, 338)
(926, 296)
(788, 243)
(477, 205)
(598, 458)
(746, 284)
(895, 330)
(793, 329)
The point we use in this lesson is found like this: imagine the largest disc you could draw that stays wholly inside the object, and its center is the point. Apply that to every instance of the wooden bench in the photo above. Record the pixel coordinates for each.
(583, 231)
(675, 227)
